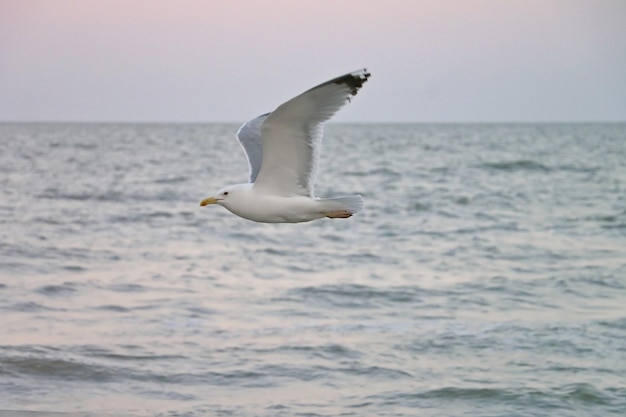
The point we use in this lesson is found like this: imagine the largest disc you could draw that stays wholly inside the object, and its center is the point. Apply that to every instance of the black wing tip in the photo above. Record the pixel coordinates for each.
(353, 80)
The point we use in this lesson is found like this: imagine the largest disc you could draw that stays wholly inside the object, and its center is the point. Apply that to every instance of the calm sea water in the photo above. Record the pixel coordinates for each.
(485, 277)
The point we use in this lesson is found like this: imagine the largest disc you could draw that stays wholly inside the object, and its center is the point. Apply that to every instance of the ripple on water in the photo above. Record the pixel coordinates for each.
(354, 295)
(516, 165)
(65, 289)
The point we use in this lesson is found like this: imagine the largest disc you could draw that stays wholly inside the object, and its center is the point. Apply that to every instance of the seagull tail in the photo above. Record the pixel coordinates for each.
(352, 203)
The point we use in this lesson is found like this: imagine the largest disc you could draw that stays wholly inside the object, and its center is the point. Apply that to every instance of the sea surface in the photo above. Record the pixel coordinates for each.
(486, 275)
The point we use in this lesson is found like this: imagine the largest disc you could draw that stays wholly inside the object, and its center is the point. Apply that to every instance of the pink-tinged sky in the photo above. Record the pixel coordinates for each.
(210, 60)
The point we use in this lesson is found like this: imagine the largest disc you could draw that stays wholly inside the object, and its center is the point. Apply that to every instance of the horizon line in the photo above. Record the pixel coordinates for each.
(406, 122)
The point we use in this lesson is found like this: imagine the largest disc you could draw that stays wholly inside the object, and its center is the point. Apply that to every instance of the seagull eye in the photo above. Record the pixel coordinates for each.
(225, 192)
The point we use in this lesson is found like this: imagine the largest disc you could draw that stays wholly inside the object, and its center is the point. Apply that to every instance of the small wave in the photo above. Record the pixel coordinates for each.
(568, 396)
(86, 146)
(462, 201)
(374, 172)
(232, 378)
(519, 165)
(619, 324)
(53, 194)
(198, 311)
(140, 217)
(330, 351)
(583, 393)
(158, 214)
(114, 308)
(275, 252)
(127, 288)
(615, 226)
(31, 307)
(99, 352)
(48, 220)
(356, 296)
(23, 413)
(172, 180)
(127, 218)
(616, 221)
(56, 368)
(377, 372)
(74, 268)
(456, 393)
(56, 290)
(333, 237)
(421, 206)
(584, 285)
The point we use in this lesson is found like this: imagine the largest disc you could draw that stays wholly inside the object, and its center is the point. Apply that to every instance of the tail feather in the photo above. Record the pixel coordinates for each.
(352, 203)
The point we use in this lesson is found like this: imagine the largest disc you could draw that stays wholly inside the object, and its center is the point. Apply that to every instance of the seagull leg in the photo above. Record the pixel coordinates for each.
(338, 214)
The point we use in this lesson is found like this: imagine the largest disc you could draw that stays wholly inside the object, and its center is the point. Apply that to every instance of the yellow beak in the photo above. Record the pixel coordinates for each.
(207, 201)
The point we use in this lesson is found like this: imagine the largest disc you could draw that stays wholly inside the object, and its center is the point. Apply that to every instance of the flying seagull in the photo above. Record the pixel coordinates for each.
(282, 149)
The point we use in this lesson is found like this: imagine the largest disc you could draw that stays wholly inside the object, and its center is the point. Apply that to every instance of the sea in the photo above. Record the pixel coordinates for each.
(486, 275)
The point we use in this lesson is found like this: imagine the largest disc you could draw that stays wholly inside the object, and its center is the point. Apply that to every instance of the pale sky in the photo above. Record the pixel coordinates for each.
(231, 60)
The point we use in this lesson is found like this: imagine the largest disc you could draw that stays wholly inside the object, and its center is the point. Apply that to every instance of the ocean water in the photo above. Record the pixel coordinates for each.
(485, 277)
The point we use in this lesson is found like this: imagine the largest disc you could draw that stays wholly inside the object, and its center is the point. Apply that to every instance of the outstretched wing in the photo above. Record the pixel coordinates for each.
(249, 137)
(292, 134)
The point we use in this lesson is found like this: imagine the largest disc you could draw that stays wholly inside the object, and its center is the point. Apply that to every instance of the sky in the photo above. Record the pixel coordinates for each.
(229, 61)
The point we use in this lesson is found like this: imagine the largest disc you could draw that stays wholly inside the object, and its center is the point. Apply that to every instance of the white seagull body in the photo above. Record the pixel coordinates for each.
(282, 149)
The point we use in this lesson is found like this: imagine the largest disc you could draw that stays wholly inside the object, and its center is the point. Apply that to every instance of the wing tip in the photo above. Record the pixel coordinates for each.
(354, 80)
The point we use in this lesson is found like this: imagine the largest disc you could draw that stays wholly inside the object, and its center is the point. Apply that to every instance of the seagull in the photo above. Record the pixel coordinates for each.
(283, 148)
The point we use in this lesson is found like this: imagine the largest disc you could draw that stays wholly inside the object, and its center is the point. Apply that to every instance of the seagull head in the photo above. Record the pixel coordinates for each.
(226, 195)
(219, 198)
